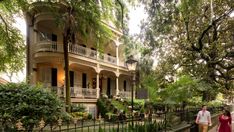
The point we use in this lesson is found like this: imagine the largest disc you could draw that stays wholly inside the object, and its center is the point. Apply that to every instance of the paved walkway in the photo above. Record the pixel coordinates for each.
(214, 128)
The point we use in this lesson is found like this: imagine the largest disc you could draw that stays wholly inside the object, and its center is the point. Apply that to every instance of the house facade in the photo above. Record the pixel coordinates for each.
(92, 73)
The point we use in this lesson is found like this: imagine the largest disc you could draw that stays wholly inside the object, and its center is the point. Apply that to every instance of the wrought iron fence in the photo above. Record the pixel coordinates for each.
(139, 124)
(160, 120)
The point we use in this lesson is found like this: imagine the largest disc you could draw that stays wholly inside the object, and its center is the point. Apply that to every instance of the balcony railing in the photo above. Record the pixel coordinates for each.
(80, 50)
(50, 46)
(125, 94)
(84, 92)
(76, 92)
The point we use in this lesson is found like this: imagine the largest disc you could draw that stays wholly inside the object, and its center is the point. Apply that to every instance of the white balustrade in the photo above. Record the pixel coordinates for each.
(80, 50)
(85, 92)
(110, 59)
(50, 46)
(76, 92)
(125, 94)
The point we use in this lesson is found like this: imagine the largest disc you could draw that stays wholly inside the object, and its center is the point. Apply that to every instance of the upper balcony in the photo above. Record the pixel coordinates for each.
(51, 46)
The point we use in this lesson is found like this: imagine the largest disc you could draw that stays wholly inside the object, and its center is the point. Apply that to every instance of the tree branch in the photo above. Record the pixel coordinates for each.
(5, 23)
(208, 28)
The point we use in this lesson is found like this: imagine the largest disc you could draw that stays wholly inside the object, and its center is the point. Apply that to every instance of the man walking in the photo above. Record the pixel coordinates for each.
(203, 119)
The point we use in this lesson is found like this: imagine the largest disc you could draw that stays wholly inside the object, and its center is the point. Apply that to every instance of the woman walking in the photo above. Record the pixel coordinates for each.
(225, 122)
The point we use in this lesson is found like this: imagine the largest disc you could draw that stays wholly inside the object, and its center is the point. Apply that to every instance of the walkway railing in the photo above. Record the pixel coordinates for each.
(50, 46)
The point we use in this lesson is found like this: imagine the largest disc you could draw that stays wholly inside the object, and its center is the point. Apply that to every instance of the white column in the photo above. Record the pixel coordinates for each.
(35, 32)
(34, 74)
(97, 86)
(117, 54)
(117, 85)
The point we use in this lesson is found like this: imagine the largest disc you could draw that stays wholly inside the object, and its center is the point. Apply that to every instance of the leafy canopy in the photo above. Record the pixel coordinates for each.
(194, 37)
(11, 41)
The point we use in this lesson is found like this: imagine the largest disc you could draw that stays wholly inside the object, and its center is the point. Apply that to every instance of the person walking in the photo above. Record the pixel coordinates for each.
(203, 119)
(225, 122)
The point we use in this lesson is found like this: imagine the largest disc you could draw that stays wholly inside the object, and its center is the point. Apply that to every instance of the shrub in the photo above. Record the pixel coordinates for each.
(102, 109)
(29, 104)
(90, 116)
(77, 108)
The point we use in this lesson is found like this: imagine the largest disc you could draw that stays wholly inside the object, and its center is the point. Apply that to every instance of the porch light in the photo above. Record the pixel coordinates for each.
(131, 64)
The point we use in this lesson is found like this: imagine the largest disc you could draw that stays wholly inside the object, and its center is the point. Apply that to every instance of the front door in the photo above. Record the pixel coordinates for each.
(108, 91)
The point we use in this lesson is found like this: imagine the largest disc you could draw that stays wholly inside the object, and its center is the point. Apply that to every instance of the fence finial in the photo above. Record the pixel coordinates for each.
(60, 121)
(19, 125)
(41, 123)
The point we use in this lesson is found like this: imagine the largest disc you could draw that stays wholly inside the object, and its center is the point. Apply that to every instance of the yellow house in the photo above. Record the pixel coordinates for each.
(92, 74)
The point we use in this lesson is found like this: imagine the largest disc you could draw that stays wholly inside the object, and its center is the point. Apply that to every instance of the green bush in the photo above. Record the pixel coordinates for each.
(90, 116)
(77, 108)
(29, 104)
(102, 109)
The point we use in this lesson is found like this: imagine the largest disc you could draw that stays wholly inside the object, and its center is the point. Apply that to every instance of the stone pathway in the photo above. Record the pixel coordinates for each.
(214, 128)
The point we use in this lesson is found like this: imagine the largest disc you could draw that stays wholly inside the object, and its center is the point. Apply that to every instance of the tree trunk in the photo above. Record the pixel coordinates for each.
(66, 70)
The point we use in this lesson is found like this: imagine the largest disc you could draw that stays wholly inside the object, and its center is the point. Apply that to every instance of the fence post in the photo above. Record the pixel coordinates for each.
(75, 122)
(94, 124)
(187, 115)
(82, 125)
(109, 125)
(165, 127)
(118, 127)
(60, 123)
(68, 123)
(104, 124)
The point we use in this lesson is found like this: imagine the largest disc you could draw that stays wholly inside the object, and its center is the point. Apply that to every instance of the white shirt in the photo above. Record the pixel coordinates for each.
(203, 117)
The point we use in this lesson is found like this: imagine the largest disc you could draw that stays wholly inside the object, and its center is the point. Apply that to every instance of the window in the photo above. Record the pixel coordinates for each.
(47, 36)
(125, 85)
(71, 78)
(84, 80)
(54, 77)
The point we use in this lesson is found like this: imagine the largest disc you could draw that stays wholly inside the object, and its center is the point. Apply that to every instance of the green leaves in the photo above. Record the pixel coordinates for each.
(194, 35)
(12, 46)
(28, 103)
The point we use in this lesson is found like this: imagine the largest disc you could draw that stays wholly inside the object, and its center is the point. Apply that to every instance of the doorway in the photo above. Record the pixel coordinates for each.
(108, 91)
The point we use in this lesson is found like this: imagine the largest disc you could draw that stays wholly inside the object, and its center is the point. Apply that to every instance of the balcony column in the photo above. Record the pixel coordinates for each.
(117, 85)
(97, 86)
(35, 33)
(117, 55)
(34, 74)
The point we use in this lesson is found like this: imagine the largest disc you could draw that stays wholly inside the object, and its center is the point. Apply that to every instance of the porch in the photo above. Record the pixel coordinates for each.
(85, 93)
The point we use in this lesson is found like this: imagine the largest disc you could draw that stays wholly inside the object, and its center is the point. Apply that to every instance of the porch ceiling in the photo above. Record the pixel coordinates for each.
(81, 67)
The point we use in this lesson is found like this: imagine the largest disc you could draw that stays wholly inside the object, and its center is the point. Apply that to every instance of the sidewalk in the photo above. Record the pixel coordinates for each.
(215, 127)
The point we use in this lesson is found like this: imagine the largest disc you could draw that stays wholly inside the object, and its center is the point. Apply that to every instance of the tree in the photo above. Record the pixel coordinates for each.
(11, 41)
(29, 104)
(194, 37)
